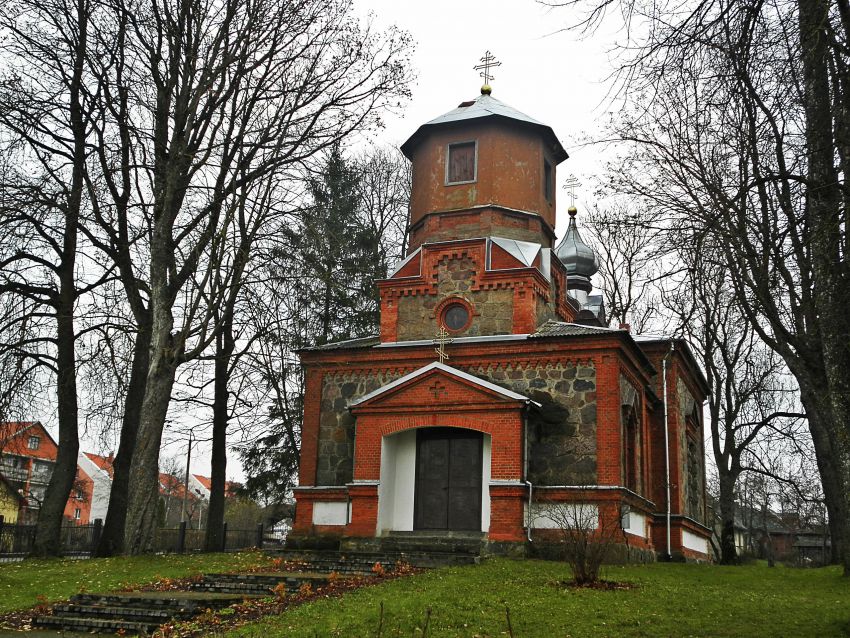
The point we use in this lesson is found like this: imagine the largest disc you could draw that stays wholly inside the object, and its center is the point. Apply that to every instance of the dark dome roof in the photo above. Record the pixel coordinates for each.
(577, 256)
(481, 107)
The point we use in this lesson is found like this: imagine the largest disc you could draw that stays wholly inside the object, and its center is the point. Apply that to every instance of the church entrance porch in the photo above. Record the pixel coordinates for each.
(448, 482)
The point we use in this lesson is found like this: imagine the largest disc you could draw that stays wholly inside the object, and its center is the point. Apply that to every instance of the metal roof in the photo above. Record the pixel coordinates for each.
(361, 342)
(436, 365)
(563, 329)
(482, 107)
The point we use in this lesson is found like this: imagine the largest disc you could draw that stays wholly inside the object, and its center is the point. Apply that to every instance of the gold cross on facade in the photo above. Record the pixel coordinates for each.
(571, 185)
(487, 62)
(442, 340)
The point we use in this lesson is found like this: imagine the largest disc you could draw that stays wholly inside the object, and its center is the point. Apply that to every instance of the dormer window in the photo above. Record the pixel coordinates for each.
(33, 442)
(462, 166)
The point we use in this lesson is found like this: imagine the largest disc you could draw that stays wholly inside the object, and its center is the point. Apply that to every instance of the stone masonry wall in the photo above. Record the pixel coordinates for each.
(336, 424)
(562, 434)
(690, 453)
(455, 277)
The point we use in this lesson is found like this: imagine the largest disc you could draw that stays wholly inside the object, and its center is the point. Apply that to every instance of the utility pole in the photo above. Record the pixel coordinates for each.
(186, 482)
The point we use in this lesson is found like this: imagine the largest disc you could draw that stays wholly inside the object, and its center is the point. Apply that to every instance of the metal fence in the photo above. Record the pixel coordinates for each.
(79, 541)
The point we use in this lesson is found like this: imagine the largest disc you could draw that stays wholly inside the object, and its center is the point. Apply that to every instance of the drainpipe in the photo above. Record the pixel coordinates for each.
(528, 518)
(667, 444)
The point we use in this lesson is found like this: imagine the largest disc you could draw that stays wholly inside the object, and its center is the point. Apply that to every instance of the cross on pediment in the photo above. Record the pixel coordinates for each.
(437, 389)
(441, 341)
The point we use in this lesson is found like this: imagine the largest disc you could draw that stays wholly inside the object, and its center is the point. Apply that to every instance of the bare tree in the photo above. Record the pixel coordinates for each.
(631, 264)
(234, 94)
(747, 399)
(740, 124)
(587, 531)
(44, 120)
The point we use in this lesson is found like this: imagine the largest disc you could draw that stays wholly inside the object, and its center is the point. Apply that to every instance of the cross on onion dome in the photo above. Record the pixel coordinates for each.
(488, 61)
(571, 185)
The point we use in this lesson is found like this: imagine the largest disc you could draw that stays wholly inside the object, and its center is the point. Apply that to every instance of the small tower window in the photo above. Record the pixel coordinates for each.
(461, 166)
(548, 181)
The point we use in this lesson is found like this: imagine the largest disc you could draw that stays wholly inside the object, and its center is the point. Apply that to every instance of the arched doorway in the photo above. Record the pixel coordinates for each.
(448, 484)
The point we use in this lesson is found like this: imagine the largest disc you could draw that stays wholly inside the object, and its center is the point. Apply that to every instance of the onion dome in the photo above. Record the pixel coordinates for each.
(580, 260)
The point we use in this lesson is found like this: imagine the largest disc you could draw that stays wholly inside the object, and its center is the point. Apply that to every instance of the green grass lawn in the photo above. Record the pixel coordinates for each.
(669, 600)
(22, 583)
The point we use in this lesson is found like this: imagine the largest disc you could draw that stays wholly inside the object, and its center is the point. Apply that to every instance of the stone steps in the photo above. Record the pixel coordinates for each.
(133, 612)
(260, 583)
(143, 612)
(94, 625)
(363, 562)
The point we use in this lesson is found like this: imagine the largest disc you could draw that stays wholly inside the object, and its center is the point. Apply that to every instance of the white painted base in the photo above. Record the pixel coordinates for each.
(330, 513)
(564, 516)
(693, 542)
(635, 523)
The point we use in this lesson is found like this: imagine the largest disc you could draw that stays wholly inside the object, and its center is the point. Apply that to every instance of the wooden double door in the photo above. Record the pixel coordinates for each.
(449, 464)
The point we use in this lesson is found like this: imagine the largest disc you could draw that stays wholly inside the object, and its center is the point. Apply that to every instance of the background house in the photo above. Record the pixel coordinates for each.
(27, 458)
(10, 502)
(99, 470)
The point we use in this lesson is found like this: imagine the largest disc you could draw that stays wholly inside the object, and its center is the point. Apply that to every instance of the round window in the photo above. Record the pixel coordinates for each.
(456, 316)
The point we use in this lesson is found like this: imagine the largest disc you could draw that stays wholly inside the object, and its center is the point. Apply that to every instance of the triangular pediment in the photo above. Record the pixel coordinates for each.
(438, 384)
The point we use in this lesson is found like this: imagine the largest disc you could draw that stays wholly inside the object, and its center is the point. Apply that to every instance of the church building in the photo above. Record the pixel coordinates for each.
(495, 392)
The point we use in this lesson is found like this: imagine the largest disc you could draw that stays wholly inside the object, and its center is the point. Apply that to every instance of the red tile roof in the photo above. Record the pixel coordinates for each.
(103, 462)
(229, 486)
(170, 485)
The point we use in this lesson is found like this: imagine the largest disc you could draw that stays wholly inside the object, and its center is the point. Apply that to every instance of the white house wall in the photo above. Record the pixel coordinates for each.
(102, 485)
(396, 489)
(635, 524)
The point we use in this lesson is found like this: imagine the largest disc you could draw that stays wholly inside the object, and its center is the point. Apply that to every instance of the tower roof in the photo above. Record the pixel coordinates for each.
(485, 106)
(578, 258)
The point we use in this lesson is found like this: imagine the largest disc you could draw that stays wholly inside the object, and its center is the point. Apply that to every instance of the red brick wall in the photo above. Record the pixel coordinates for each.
(510, 171)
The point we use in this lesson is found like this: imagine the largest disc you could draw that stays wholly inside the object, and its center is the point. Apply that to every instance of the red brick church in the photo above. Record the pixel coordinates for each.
(538, 400)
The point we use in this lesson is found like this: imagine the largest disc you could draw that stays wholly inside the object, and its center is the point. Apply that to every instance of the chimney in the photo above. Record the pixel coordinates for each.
(110, 457)
(625, 326)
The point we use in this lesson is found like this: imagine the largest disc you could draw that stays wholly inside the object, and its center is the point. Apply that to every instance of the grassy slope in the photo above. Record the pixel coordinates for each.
(670, 600)
(22, 583)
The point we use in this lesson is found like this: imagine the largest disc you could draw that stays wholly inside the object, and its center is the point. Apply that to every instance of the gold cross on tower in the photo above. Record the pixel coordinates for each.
(442, 340)
(571, 185)
(487, 62)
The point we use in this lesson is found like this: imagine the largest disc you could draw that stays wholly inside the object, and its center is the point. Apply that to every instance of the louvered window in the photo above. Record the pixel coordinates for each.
(461, 167)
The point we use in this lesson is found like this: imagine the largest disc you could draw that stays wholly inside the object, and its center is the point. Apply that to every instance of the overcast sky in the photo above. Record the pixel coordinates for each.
(547, 73)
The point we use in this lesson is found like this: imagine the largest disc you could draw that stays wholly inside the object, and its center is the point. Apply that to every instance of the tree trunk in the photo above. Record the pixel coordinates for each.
(112, 536)
(225, 345)
(823, 197)
(49, 524)
(728, 553)
(144, 468)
